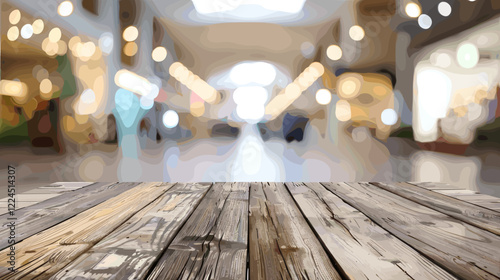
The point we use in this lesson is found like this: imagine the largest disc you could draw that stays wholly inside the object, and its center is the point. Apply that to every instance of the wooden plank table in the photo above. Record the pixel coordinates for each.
(255, 231)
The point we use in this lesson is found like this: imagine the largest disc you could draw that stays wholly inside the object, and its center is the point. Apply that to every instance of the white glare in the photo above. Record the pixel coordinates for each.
(260, 73)
(170, 119)
(434, 94)
(323, 96)
(467, 55)
(389, 117)
(220, 6)
(65, 8)
(27, 31)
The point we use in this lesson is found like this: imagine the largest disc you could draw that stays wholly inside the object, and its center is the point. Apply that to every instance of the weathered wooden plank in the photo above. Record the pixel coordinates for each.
(23, 197)
(282, 245)
(435, 186)
(67, 185)
(483, 200)
(43, 254)
(361, 248)
(456, 192)
(213, 242)
(43, 215)
(130, 250)
(458, 209)
(464, 250)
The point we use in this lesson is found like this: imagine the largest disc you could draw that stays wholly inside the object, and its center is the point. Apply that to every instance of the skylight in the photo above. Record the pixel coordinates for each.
(248, 7)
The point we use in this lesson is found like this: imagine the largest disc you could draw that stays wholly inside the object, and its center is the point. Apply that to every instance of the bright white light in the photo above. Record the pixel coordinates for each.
(425, 21)
(65, 8)
(246, 73)
(444, 9)
(356, 33)
(467, 55)
(250, 95)
(250, 103)
(106, 42)
(170, 119)
(434, 94)
(389, 117)
(323, 96)
(413, 10)
(250, 114)
(214, 6)
(27, 31)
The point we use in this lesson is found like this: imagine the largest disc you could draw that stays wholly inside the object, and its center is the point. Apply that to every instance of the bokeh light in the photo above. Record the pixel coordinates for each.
(413, 10)
(55, 35)
(38, 26)
(130, 49)
(323, 96)
(170, 119)
(424, 21)
(334, 52)
(65, 8)
(13, 33)
(467, 55)
(159, 54)
(444, 9)
(389, 117)
(130, 33)
(15, 17)
(357, 33)
(27, 31)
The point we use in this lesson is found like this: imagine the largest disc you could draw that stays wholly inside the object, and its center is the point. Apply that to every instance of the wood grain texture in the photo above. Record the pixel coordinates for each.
(43, 215)
(130, 250)
(464, 250)
(472, 214)
(282, 245)
(363, 249)
(43, 254)
(213, 242)
(435, 186)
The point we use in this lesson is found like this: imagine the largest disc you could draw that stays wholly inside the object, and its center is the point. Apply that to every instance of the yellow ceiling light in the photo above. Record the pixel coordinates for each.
(73, 41)
(15, 17)
(349, 85)
(413, 10)
(13, 88)
(292, 91)
(130, 33)
(38, 26)
(65, 8)
(357, 33)
(343, 110)
(159, 54)
(334, 52)
(13, 33)
(55, 35)
(194, 83)
(130, 49)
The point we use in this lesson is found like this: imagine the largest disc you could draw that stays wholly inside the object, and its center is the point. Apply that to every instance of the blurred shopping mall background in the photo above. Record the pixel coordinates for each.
(251, 90)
